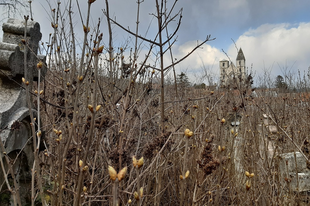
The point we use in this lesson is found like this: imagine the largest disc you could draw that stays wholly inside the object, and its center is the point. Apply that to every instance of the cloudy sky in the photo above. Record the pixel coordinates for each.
(273, 34)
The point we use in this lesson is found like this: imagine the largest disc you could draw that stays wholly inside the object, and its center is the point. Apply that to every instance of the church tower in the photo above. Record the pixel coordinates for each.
(224, 71)
(240, 63)
(231, 72)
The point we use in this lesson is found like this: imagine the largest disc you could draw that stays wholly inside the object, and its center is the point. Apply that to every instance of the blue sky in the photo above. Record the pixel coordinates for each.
(274, 34)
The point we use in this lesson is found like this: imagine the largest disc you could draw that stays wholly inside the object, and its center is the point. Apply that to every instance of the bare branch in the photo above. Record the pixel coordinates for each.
(177, 62)
(132, 33)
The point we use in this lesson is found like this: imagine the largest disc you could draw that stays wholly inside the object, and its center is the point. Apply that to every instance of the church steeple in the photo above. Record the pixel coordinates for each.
(229, 71)
(240, 55)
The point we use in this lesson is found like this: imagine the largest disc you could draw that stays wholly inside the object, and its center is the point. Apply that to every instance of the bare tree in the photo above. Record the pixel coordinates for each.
(12, 7)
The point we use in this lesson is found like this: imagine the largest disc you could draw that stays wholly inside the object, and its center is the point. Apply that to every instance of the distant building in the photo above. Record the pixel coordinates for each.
(230, 73)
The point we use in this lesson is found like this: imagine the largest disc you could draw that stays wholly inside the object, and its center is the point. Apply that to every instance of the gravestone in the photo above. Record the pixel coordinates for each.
(15, 130)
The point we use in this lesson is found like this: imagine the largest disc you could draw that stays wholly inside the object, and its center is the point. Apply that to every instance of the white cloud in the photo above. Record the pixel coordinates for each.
(206, 57)
(285, 45)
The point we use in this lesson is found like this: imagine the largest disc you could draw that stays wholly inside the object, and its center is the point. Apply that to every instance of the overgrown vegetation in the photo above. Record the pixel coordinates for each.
(116, 134)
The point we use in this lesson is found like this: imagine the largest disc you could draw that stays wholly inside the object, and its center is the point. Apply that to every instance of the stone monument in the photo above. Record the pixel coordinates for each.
(15, 129)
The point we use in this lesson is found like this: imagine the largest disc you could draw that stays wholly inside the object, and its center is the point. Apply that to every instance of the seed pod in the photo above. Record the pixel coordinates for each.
(100, 49)
(112, 173)
(121, 174)
(140, 162)
(39, 133)
(187, 174)
(181, 177)
(188, 133)
(98, 107)
(136, 195)
(85, 29)
(85, 168)
(252, 175)
(247, 173)
(91, 108)
(247, 185)
(141, 192)
(134, 161)
(223, 121)
(80, 163)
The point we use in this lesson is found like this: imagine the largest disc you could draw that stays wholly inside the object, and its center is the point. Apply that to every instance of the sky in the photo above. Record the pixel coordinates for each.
(273, 34)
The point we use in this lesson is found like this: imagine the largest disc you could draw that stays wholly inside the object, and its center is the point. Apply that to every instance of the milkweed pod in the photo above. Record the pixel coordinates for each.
(112, 173)
(140, 162)
(134, 161)
(187, 174)
(121, 174)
